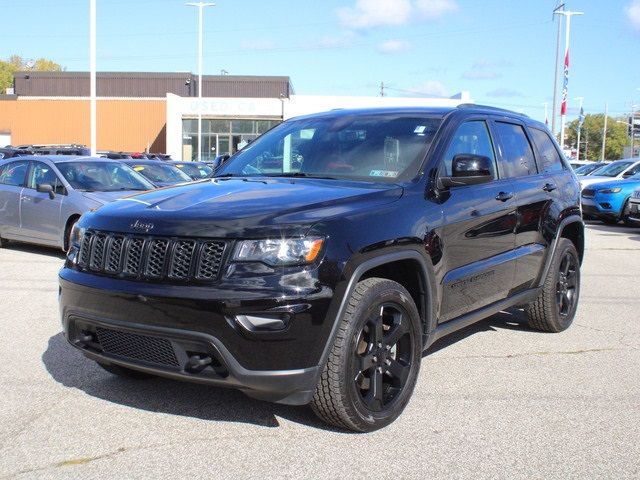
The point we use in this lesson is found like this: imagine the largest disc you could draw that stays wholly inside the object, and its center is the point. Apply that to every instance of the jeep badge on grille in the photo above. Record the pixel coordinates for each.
(142, 226)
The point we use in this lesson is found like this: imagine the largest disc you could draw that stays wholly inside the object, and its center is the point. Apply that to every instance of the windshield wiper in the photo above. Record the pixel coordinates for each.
(300, 175)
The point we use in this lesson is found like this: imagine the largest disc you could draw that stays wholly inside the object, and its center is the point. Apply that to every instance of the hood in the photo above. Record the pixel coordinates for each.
(590, 180)
(625, 184)
(241, 207)
(108, 197)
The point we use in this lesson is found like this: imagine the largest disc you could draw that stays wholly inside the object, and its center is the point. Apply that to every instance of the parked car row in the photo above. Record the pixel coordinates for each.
(607, 191)
(41, 197)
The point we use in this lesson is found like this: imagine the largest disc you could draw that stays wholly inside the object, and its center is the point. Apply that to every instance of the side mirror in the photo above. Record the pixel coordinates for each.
(46, 188)
(468, 169)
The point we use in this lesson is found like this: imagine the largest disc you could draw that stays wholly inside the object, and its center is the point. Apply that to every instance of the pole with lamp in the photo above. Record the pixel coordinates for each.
(92, 78)
(201, 6)
(565, 87)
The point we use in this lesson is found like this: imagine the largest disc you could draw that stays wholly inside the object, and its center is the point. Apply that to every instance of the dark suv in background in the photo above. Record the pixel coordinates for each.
(329, 254)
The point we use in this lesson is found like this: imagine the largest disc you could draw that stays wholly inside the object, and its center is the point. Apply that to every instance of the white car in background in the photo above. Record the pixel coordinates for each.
(633, 213)
(612, 171)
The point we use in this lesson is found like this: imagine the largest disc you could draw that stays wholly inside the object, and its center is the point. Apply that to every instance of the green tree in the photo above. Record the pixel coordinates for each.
(591, 137)
(15, 64)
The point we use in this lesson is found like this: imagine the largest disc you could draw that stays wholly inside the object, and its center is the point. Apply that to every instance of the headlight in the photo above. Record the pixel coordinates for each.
(279, 252)
(611, 190)
(75, 239)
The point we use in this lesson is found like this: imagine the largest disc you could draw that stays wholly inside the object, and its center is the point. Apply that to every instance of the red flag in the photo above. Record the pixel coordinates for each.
(565, 85)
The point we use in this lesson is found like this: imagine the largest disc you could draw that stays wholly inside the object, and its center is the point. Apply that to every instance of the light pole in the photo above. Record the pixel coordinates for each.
(580, 120)
(201, 6)
(92, 78)
(604, 130)
(555, 71)
(565, 87)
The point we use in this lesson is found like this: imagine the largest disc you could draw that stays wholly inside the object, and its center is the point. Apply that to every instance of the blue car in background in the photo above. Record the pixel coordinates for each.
(609, 200)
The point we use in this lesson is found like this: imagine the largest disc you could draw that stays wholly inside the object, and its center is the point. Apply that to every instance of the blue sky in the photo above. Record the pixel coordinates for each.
(501, 51)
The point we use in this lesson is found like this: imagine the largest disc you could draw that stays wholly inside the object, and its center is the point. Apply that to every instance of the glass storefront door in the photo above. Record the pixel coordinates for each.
(221, 136)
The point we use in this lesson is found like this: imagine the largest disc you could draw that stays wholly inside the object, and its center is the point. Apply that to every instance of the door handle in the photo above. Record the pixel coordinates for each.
(504, 196)
(25, 199)
(549, 187)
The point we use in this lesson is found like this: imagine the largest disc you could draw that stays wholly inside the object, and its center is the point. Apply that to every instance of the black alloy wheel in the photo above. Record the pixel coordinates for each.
(566, 294)
(382, 358)
(373, 365)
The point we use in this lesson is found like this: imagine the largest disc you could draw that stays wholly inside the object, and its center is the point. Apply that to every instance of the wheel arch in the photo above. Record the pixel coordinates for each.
(571, 228)
(407, 262)
(67, 227)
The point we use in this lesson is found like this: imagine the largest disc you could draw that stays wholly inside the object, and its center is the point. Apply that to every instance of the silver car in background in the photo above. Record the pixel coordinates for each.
(42, 197)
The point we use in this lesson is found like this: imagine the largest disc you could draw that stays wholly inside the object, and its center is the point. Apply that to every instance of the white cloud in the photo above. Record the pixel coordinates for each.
(633, 13)
(432, 9)
(394, 46)
(480, 75)
(345, 40)
(377, 13)
(374, 13)
(505, 93)
(431, 88)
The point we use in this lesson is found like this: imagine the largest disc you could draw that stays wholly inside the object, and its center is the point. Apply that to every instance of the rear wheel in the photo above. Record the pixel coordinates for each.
(124, 372)
(555, 307)
(3, 242)
(374, 362)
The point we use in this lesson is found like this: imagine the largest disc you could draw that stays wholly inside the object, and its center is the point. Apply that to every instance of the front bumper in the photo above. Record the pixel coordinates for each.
(166, 331)
(633, 213)
(600, 208)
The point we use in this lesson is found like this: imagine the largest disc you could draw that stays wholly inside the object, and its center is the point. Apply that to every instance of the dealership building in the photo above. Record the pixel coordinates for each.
(158, 112)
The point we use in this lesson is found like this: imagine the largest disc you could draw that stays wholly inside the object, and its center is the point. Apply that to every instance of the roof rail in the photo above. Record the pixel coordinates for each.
(487, 107)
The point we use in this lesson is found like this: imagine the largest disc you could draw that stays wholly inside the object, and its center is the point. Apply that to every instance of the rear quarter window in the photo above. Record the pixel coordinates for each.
(517, 159)
(549, 159)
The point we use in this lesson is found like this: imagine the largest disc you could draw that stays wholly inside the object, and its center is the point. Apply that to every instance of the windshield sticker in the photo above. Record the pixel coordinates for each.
(383, 173)
(420, 129)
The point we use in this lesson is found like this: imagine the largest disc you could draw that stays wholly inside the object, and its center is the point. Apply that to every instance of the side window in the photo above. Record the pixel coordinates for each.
(13, 173)
(632, 171)
(471, 137)
(515, 149)
(550, 160)
(43, 173)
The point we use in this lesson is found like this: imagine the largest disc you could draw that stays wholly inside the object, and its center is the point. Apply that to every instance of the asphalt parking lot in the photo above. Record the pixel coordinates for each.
(496, 400)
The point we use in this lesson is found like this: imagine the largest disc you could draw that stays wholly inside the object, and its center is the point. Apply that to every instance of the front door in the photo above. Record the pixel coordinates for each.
(479, 232)
(40, 214)
(12, 178)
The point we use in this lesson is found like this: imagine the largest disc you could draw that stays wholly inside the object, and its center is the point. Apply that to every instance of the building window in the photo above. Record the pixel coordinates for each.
(219, 136)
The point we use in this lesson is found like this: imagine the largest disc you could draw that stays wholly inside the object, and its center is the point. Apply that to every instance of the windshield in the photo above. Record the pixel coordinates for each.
(195, 170)
(102, 176)
(377, 147)
(587, 169)
(612, 170)
(161, 173)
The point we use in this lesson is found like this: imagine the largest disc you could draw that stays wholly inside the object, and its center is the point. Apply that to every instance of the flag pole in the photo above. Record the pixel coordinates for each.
(565, 88)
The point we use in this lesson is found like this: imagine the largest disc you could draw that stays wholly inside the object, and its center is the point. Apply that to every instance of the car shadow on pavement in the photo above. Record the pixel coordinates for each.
(70, 368)
(511, 319)
(36, 250)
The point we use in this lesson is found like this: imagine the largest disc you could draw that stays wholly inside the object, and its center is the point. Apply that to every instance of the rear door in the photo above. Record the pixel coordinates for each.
(537, 193)
(40, 214)
(478, 233)
(12, 179)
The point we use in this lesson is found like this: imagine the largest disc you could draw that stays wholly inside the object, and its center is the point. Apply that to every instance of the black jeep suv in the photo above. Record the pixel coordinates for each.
(326, 256)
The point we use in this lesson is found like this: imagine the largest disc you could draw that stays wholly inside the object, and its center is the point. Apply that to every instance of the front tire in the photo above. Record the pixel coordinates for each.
(556, 305)
(374, 362)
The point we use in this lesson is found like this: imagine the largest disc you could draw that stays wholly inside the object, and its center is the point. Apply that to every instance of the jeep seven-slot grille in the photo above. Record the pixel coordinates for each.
(151, 258)
(138, 347)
